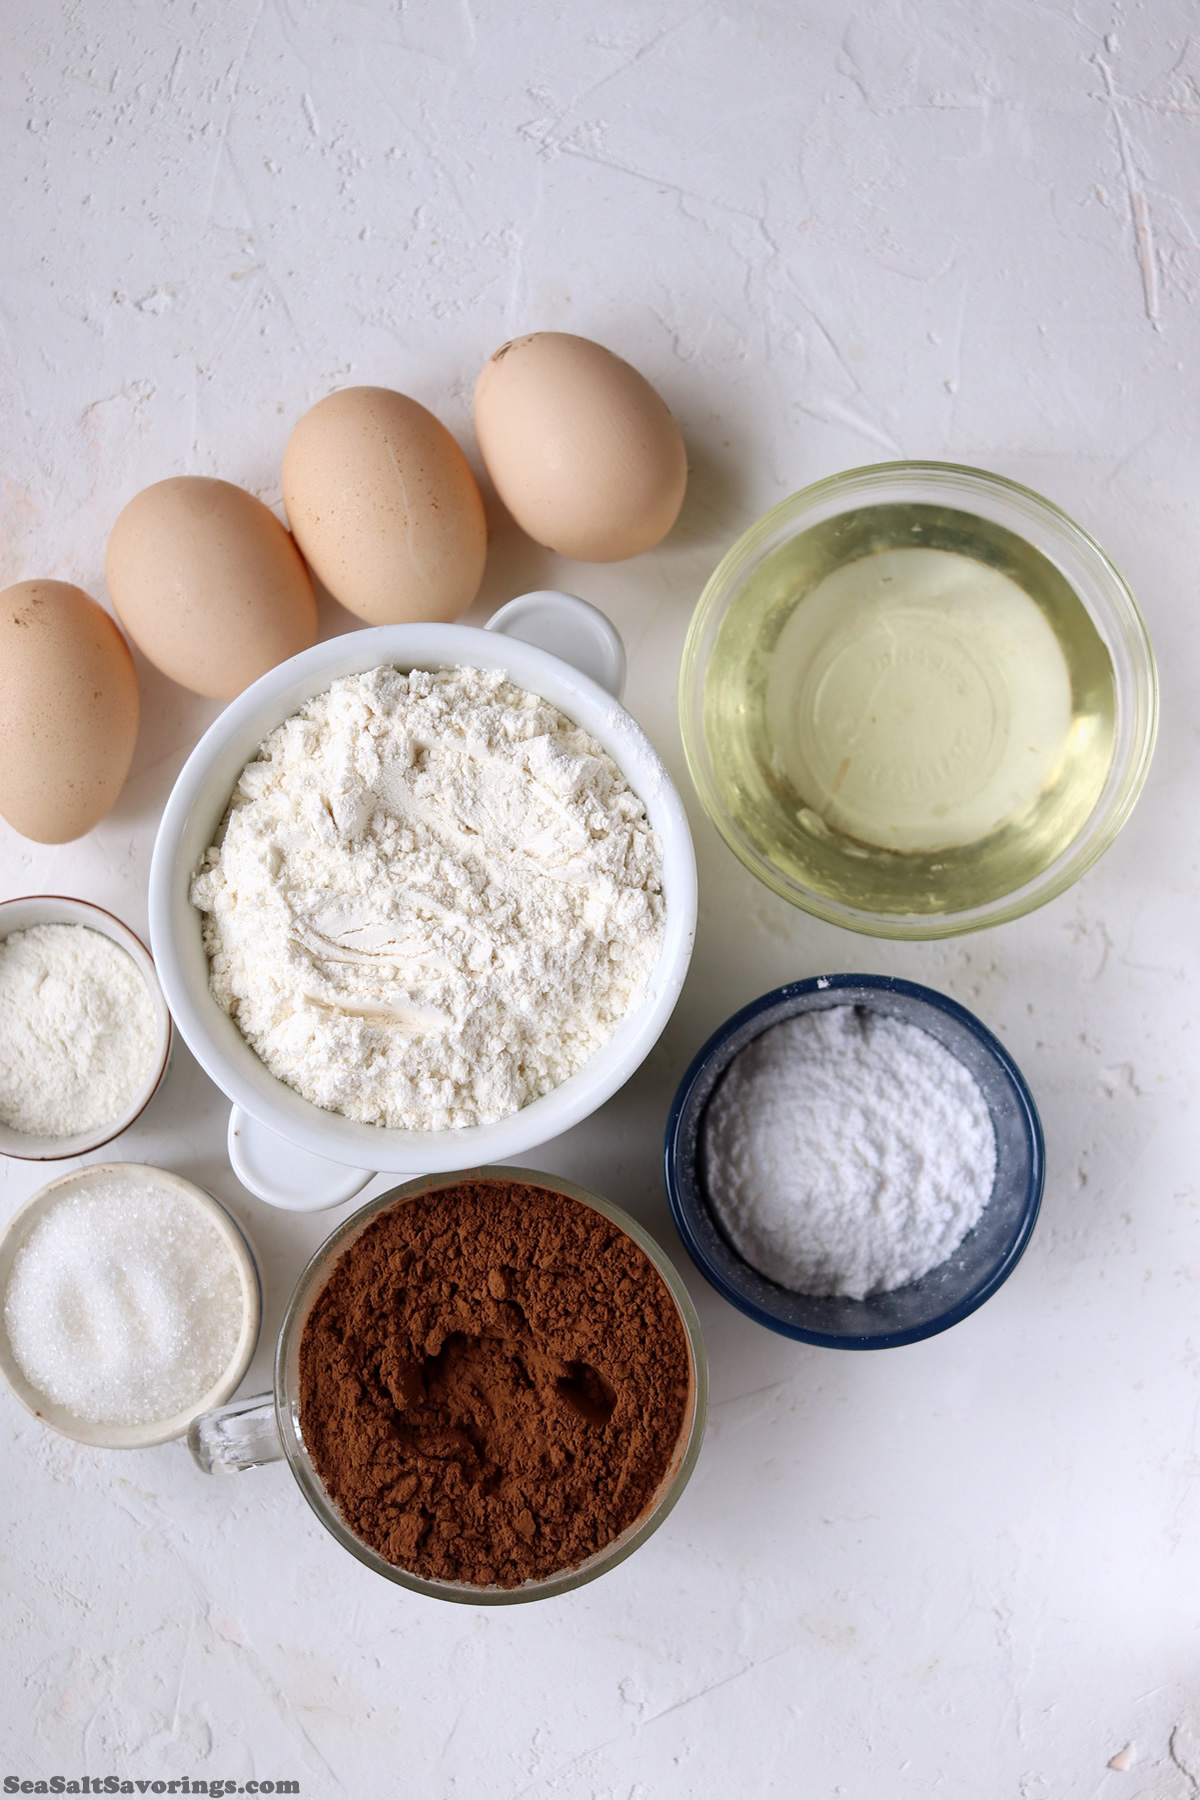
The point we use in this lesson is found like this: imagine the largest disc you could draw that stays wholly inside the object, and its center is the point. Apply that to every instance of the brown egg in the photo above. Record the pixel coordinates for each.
(68, 710)
(384, 505)
(583, 451)
(209, 585)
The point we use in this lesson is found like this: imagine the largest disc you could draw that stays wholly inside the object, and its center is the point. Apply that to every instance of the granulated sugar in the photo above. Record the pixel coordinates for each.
(846, 1152)
(77, 1030)
(125, 1304)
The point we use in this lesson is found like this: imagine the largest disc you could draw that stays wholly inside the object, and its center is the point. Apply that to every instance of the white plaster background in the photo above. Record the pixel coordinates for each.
(830, 235)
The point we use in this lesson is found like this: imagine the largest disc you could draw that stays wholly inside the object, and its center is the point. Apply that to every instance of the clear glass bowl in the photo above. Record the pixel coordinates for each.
(736, 662)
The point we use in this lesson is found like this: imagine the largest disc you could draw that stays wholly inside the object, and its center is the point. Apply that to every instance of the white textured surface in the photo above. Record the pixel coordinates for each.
(829, 235)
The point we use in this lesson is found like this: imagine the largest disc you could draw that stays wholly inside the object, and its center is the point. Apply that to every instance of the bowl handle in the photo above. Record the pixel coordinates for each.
(236, 1437)
(569, 628)
(283, 1174)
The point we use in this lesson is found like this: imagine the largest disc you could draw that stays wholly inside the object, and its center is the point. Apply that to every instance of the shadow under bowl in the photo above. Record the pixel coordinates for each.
(988, 1254)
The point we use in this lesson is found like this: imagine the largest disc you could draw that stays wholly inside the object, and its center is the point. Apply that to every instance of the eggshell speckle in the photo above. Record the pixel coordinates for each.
(583, 451)
(209, 585)
(68, 710)
(384, 506)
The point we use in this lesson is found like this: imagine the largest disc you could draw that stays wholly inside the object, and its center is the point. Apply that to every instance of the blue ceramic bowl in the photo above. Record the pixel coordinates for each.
(988, 1254)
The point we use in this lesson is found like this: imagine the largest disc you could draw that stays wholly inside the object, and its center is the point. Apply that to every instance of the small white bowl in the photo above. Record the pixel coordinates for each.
(57, 909)
(160, 1431)
(333, 1155)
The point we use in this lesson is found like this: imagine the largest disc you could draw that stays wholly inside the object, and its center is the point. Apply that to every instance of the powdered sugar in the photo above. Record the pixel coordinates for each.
(77, 1030)
(434, 899)
(847, 1152)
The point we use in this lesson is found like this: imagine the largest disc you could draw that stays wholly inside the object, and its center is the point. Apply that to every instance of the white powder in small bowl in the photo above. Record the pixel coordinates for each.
(78, 1030)
(846, 1152)
(125, 1304)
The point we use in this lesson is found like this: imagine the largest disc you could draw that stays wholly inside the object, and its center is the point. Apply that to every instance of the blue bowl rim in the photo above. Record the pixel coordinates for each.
(891, 984)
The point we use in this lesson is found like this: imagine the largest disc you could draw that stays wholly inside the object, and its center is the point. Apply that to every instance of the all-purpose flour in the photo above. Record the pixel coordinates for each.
(846, 1152)
(434, 899)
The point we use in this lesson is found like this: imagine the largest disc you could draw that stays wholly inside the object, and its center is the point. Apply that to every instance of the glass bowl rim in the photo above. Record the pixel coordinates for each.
(1126, 778)
(683, 1196)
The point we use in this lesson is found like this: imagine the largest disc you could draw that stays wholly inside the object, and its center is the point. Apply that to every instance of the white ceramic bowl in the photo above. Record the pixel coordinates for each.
(159, 1431)
(189, 825)
(57, 909)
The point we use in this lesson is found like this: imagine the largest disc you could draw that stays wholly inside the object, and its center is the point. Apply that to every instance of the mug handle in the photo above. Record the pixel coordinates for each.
(283, 1174)
(239, 1436)
(570, 628)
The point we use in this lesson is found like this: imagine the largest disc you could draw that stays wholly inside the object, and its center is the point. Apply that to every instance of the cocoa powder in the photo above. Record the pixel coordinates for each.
(493, 1382)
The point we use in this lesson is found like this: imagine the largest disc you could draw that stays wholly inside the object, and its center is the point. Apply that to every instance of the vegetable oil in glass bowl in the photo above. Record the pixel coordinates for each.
(903, 715)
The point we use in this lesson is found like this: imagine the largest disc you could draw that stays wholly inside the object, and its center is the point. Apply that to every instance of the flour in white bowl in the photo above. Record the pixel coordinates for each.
(846, 1152)
(434, 899)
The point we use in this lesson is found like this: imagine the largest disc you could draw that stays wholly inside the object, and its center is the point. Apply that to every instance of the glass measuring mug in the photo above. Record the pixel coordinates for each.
(269, 1427)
